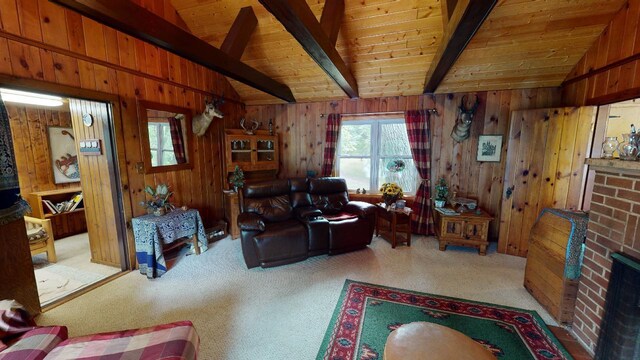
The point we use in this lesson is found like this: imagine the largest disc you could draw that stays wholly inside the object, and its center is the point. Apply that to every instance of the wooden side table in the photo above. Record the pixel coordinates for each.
(465, 229)
(398, 225)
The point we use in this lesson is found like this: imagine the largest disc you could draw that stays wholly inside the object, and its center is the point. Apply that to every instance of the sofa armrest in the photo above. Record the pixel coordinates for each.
(307, 213)
(250, 222)
(360, 208)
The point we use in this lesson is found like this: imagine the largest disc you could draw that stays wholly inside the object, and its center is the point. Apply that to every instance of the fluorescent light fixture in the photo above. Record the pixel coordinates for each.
(24, 97)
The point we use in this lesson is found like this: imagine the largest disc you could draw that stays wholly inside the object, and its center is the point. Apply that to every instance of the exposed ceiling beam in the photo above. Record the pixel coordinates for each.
(447, 10)
(331, 18)
(131, 19)
(299, 20)
(241, 30)
(466, 19)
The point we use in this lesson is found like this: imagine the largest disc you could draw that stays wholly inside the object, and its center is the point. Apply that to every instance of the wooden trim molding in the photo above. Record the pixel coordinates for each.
(618, 96)
(593, 72)
(134, 20)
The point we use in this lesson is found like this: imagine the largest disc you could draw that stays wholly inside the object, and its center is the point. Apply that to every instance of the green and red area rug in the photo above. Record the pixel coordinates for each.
(366, 314)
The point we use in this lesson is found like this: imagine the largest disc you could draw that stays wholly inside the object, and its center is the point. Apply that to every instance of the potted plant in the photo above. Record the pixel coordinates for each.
(159, 203)
(442, 193)
(237, 178)
(391, 192)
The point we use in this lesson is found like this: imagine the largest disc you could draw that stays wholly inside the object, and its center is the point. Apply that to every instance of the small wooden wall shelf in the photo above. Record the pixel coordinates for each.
(63, 224)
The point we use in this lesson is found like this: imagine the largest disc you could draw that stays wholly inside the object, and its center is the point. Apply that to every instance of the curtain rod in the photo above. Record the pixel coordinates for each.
(434, 111)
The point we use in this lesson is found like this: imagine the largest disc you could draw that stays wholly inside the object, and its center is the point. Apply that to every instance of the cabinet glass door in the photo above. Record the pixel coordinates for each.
(241, 150)
(266, 150)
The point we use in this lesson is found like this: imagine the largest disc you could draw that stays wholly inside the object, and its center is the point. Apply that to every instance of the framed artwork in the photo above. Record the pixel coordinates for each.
(64, 158)
(489, 148)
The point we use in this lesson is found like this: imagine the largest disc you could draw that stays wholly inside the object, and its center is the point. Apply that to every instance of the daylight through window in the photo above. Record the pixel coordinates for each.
(160, 144)
(370, 153)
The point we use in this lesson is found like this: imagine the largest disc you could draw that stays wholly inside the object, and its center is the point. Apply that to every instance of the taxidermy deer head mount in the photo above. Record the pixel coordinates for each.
(202, 121)
(462, 129)
(254, 127)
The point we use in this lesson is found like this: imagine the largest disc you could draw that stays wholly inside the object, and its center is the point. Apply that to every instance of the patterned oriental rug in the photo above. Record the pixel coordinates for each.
(366, 314)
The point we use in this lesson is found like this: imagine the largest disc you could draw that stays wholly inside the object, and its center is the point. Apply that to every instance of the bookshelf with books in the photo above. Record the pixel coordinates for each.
(65, 208)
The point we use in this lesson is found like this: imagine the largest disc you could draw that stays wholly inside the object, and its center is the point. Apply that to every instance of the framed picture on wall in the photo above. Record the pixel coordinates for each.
(64, 158)
(489, 148)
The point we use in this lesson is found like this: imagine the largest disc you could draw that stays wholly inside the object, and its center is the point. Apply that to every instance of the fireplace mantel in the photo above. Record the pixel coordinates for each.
(615, 166)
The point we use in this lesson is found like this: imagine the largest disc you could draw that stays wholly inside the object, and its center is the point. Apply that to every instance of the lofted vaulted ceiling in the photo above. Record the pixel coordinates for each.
(389, 45)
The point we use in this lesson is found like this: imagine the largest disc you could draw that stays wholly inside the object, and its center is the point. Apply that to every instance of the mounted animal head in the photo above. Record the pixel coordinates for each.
(254, 127)
(201, 122)
(462, 129)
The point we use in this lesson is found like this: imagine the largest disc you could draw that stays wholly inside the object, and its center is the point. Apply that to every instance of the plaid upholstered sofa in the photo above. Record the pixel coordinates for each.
(22, 339)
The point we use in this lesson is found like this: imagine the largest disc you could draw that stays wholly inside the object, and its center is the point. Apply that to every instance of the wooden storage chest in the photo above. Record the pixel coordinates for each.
(554, 261)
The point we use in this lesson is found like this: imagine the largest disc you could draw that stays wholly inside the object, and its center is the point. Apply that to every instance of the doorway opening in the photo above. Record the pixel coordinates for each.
(66, 160)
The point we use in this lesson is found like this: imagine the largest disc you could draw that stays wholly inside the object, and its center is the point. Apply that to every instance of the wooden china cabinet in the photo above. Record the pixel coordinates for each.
(258, 157)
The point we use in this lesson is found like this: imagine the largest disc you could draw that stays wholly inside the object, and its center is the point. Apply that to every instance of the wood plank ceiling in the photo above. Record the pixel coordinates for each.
(390, 44)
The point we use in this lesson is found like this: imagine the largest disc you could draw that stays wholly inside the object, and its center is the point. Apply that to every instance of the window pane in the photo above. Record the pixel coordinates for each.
(357, 172)
(169, 158)
(355, 140)
(394, 140)
(153, 135)
(407, 178)
(167, 144)
(154, 157)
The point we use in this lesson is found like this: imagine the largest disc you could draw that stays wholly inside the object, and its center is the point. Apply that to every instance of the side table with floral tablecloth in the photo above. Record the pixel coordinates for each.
(152, 232)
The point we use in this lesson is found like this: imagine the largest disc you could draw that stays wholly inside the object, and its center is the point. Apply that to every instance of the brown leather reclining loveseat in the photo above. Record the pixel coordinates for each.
(285, 221)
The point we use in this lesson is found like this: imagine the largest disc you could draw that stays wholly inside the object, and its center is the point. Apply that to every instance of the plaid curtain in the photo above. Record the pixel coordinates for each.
(417, 122)
(330, 144)
(12, 206)
(175, 126)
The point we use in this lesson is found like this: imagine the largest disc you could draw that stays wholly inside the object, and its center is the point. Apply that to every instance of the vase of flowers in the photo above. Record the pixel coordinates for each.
(391, 192)
(442, 193)
(160, 203)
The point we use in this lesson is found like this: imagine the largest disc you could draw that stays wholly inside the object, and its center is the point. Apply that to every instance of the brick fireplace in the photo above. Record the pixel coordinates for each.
(614, 226)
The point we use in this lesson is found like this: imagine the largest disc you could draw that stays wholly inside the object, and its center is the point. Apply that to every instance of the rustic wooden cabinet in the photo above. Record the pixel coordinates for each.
(258, 157)
(63, 224)
(251, 152)
(465, 229)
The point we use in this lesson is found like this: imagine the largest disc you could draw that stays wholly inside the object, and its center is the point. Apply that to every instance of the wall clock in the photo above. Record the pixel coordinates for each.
(87, 119)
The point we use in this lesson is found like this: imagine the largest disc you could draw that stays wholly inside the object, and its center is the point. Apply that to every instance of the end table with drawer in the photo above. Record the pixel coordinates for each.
(469, 228)
(397, 227)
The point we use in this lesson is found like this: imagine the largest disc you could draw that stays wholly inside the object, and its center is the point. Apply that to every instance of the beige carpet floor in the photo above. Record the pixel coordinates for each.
(283, 312)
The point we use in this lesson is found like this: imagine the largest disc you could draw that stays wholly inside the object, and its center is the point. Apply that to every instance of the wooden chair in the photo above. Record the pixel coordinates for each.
(40, 235)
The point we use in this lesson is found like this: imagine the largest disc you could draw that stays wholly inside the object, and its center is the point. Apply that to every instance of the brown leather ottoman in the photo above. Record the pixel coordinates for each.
(423, 340)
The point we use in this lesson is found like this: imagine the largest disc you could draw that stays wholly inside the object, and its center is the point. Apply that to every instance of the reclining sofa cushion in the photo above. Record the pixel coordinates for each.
(269, 200)
(282, 243)
(329, 195)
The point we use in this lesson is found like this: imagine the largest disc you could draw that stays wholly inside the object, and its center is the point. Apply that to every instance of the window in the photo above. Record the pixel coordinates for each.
(160, 144)
(367, 147)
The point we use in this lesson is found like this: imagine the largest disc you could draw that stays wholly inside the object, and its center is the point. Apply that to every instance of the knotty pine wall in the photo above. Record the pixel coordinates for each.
(610, 70)
(40, 40)
(31, 145)
(302, 133)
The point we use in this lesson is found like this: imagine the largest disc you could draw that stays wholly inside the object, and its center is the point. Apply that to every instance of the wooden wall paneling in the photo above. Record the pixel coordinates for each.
(565, 157)
(586, 117)
(550, 163)
(607, 71)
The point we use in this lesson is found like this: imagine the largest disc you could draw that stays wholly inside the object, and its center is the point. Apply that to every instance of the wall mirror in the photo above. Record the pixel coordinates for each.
(165, 132)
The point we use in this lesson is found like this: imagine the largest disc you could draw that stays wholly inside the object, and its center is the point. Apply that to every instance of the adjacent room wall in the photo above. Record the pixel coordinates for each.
(40, 40)
(610, 70)
(31, 145)
(302, 133)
